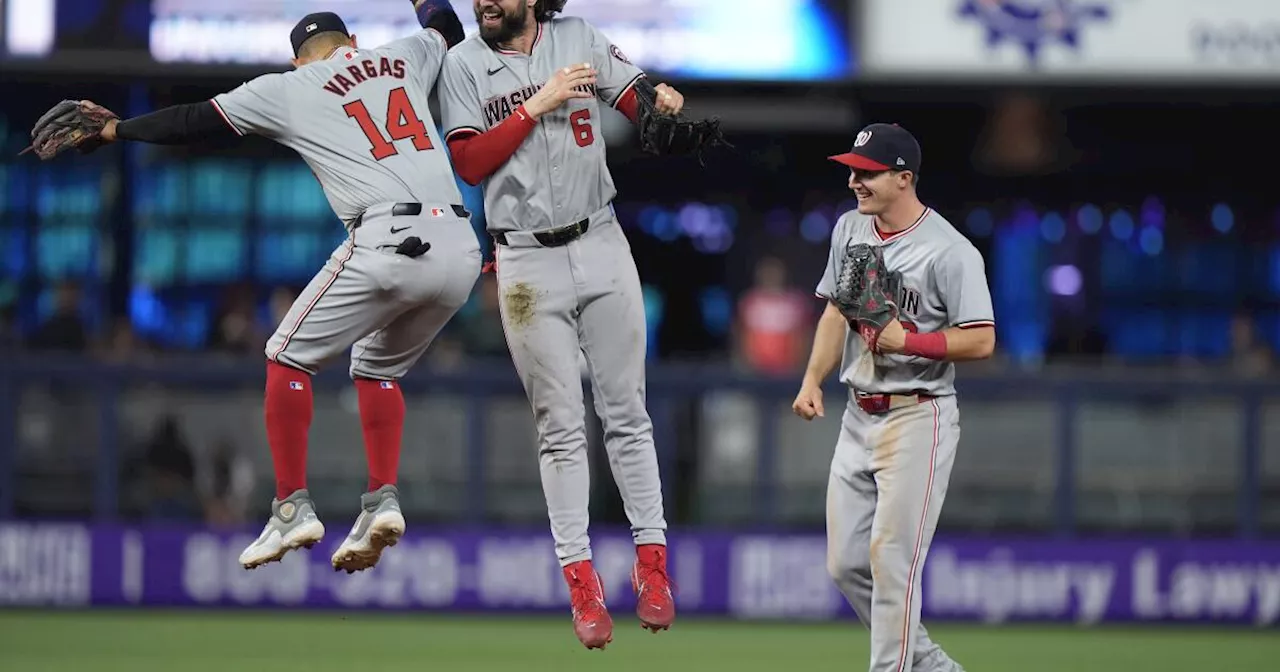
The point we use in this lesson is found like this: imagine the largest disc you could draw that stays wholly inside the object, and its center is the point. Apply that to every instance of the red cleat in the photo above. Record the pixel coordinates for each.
(591, 621)
(654, 604)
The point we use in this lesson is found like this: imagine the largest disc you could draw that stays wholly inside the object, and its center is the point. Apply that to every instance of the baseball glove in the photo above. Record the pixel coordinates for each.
(69, 124)
(866, 292)
(666, 135)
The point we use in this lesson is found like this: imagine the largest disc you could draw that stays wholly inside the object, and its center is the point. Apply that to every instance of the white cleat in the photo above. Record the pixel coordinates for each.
(379, 525)
(293, 524)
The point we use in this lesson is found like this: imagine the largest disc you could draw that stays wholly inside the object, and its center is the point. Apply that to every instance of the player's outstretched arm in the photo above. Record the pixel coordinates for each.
(85, 126)
(174, 125)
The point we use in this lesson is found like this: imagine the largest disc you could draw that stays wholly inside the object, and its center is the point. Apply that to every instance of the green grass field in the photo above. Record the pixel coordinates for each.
(177, 641)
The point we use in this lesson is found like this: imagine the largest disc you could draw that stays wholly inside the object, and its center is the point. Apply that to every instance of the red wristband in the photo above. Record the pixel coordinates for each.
(930, 346)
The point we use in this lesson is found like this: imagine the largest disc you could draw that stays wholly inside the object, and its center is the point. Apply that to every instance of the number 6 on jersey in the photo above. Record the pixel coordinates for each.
(582, 131)
(402, 123)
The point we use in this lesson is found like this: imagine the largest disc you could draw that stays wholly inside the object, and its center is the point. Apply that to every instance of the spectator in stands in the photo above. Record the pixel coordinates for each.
(122, 344)
(234, 329)
(170, 474)
(771, 328)
(65, 330)
(225, 479)
(1250, 355)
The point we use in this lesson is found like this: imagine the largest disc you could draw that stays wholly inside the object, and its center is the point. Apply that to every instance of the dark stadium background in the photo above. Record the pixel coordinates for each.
(1129, 422)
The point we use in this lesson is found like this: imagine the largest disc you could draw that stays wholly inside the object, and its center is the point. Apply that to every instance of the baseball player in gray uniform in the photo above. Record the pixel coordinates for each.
(901, 423)
(521, 104)
(360, 119)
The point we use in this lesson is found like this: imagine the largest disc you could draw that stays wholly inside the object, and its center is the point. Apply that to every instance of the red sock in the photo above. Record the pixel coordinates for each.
(382, 417)
(288, 411)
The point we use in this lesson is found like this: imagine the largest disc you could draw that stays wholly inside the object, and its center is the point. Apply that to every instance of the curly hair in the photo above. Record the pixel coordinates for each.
(545, 10)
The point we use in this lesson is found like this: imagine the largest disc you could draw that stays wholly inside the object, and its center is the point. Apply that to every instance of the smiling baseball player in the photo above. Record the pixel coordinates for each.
(907, 297)
(360, 119)
(522, 103)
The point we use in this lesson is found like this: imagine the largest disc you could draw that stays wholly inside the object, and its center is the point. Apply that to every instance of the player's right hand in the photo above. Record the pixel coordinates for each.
(568, 83)
(808, 403)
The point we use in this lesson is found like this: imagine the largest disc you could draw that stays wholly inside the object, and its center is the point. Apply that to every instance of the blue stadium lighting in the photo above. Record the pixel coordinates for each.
(815, 227)
(980, 222)
(1089, 217)
(1151, 240)
(664, 225)
(1053, 228)
(1121, 224)
(1063, 280)
(1222, 218)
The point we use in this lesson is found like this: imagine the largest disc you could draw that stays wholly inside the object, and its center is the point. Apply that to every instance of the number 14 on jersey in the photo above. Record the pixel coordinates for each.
(402, 123)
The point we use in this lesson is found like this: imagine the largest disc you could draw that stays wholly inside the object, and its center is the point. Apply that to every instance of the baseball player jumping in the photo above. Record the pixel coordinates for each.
(914, 291)
(521, 103)
(360, 120)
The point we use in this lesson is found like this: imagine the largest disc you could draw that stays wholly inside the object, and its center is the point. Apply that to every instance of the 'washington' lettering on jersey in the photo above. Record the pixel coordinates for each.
(558, 174)
(498, 108)
(361, 121)
(944, 284)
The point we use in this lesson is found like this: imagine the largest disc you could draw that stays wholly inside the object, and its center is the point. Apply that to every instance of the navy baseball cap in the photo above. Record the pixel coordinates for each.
(312, 24)
(883, 147)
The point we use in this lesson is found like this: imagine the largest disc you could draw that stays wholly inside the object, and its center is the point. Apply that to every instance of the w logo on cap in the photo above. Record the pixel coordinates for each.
(863, 138)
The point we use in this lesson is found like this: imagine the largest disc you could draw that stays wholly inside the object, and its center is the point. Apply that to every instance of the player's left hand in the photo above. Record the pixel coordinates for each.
(892, 339)
(77, 124)
(669, 100)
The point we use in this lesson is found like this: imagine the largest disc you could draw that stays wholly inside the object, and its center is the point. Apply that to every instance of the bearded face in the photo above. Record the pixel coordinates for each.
(501, 21)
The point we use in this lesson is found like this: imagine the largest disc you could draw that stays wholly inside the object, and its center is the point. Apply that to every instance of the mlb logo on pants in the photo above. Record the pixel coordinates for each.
(437, 212)
(388, 385)
(295, 385)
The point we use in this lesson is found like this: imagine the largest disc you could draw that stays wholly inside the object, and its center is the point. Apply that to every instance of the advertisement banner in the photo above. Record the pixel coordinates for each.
(1079, 39)
(744, 576)
(697, 39)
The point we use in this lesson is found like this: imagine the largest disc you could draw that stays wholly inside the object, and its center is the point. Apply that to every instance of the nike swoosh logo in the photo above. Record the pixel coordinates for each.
(403, 228)
(496, 70)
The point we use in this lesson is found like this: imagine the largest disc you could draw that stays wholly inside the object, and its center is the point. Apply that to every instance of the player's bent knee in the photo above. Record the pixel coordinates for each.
(365, 372)
(847, 571)
(290, 363)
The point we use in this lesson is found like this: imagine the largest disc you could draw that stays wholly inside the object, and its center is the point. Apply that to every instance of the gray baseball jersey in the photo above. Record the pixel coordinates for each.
(558, 176)
(890, 469)
(565, 303)
(944, 285)
(361, 121)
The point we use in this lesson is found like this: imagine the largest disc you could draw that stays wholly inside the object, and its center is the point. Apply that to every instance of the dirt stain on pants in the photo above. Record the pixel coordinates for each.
(521, 301)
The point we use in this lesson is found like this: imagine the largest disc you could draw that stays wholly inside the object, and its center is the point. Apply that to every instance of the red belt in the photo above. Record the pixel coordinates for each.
(883, 403)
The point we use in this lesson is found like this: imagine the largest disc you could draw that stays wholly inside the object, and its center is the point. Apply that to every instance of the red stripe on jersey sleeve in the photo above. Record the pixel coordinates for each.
(629, 105)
